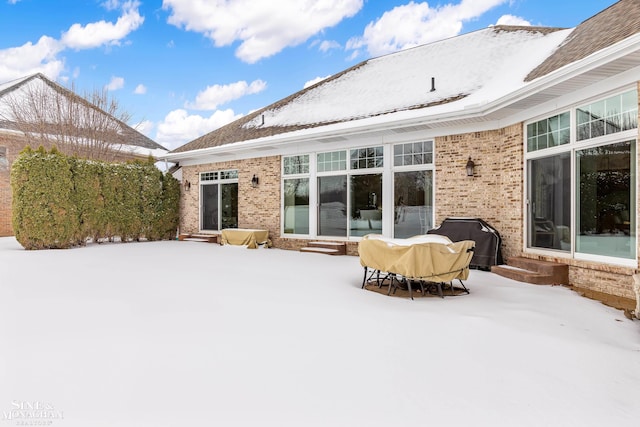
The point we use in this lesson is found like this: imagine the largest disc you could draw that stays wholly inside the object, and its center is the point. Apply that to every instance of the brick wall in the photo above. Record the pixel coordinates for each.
(495, 192)
(13, 144)
(257, 207)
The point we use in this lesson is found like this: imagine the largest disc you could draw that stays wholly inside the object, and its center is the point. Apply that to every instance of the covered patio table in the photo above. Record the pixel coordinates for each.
(427, 258)
(249, 237)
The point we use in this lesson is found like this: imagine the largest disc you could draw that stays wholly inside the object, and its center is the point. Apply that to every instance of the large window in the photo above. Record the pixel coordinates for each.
(412, 188)
(550, 202)
(605, 181)
(581, 187)
(350, 193)
(296, 194)
(332, 206)
(219, 200)
(359, 191)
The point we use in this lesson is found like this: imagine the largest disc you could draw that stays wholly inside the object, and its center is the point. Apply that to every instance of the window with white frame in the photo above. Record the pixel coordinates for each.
(346, 188)
(581, 189)
(218, 200)
(412, 188)
(295, 170)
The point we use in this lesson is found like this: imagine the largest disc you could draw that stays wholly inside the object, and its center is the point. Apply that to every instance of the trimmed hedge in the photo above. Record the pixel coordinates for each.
(61, 201)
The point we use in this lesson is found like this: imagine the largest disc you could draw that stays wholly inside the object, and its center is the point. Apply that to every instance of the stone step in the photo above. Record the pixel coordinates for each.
(339, 247)
(321, 250)
(195, 237)
(533, 271)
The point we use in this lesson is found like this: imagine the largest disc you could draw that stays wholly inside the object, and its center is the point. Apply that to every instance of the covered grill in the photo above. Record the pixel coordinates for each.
(488, 241)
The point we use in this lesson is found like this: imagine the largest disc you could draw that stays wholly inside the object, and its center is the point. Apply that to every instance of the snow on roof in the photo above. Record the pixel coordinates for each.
(473, 68)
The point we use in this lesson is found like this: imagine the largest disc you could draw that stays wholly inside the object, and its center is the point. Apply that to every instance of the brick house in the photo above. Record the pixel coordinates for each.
(12, 140)
(548, 116)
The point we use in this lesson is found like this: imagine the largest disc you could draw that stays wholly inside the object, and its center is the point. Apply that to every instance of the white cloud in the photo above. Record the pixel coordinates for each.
(140, 89)
(111, 4)
(179, 127)
(513, 20)
(13, 1)
(316, 80)
(43, 56)
(213, 96)
(327, 45)
(262, 28)
(31, 58)
(115, 83)
(104, 33)
(414, 24)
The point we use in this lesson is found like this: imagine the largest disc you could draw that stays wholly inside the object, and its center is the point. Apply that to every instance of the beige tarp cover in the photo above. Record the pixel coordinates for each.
(434, 260)
(245, 237)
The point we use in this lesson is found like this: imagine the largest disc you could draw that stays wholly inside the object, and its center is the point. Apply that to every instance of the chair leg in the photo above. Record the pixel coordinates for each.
(364, 279)
(465, 288)
(439, 285)
(409, 286)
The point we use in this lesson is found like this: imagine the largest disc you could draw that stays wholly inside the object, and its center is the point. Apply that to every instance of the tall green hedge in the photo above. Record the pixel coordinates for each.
(61, 201)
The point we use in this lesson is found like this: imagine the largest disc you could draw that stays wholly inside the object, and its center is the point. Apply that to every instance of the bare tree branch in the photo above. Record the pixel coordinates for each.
(91, 127)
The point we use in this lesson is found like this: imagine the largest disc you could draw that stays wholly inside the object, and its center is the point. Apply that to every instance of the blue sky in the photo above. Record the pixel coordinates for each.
(182, 68)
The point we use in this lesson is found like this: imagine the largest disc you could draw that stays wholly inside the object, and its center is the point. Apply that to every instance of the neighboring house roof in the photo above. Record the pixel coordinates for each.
(136, 142)
(485, 75)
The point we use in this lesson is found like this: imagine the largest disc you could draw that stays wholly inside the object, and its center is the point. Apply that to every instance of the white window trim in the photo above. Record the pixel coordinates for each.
(387, 170)
(573, 146)
(216, 181)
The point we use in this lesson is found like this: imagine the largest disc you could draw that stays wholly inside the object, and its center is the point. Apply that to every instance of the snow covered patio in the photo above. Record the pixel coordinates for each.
(185, 333)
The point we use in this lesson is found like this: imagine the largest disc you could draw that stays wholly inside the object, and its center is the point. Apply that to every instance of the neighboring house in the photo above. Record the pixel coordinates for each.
(131, 143)
(548, 116)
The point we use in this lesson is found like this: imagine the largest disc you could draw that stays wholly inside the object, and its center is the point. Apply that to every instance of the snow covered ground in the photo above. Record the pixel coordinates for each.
(193, 334)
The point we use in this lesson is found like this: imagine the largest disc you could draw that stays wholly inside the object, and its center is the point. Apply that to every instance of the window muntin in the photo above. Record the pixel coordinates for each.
(605, 187)
(367, 158)
(332, 161)
(608, 116)
(413, 153)
(208, 176)
(549, 132)
(295, 165)
(227, 175)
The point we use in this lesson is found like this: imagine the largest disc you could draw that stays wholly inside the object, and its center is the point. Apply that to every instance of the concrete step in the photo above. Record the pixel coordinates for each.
(321, 250)
(533, 271)
(195, 237)
(340, 248)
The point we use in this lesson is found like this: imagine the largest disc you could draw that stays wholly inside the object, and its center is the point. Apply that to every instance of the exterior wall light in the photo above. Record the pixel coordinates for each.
(470, 167)
(187, 185)
(254, 180)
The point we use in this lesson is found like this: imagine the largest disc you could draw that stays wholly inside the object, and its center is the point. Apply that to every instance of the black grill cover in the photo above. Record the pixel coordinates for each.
(488, 241)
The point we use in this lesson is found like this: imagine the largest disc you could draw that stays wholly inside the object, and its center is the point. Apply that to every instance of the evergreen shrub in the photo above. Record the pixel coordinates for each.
(61, 201)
